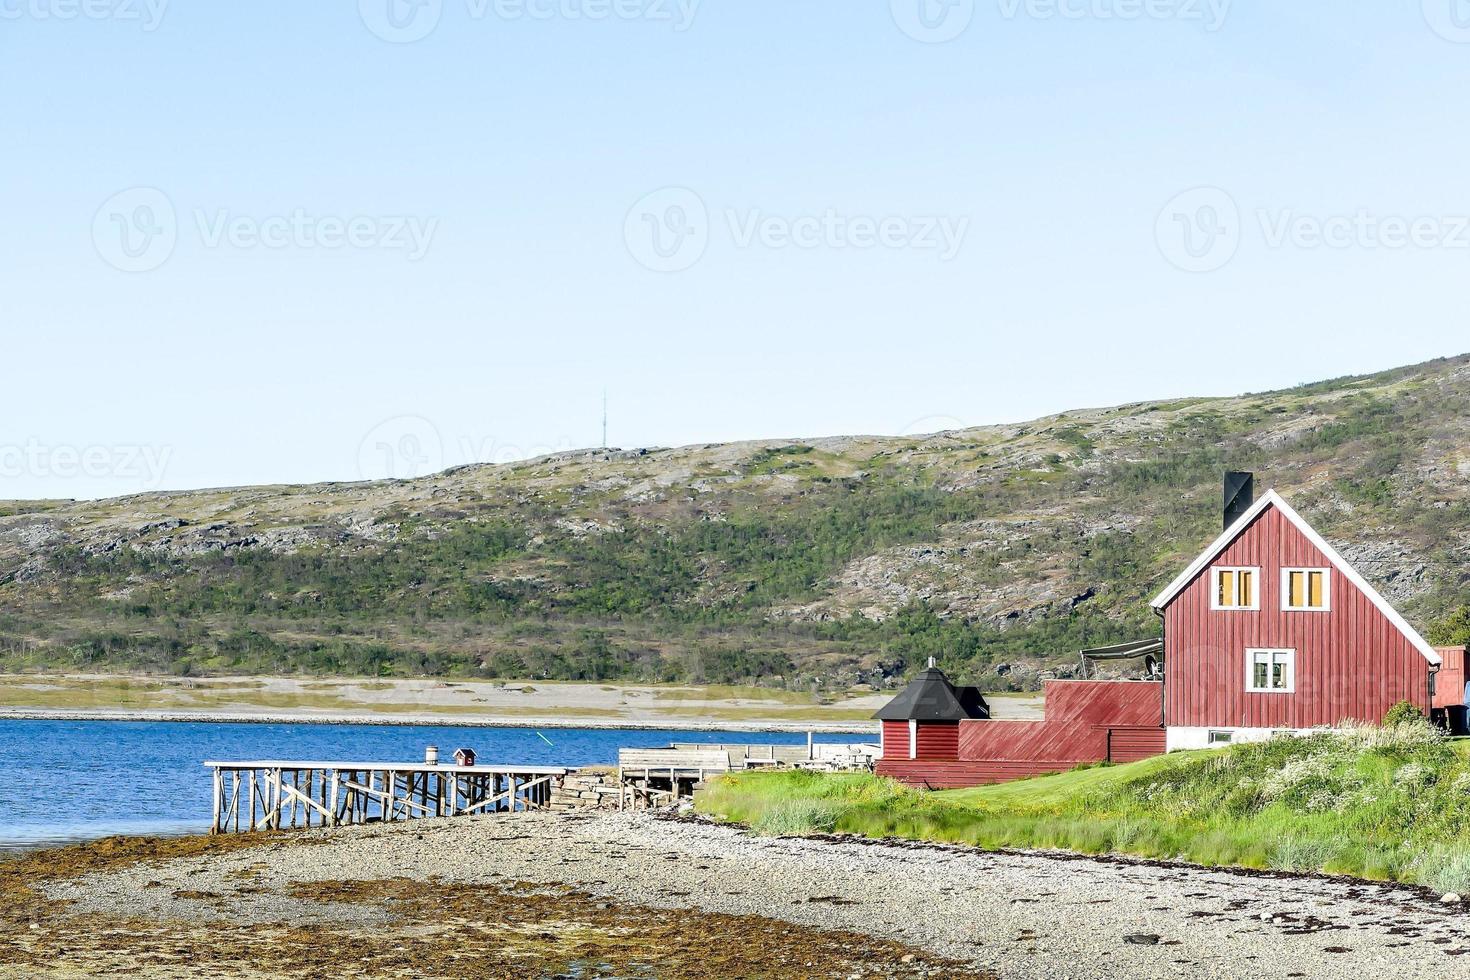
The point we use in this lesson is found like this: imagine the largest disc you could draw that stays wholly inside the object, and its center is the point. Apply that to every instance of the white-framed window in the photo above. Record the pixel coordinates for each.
(913, 738)
(1235, 589)
(1306, 589)
(1270, 671)
(1220, 738)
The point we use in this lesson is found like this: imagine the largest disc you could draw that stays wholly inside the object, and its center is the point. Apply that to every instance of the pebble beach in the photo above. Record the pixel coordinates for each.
(573, 895)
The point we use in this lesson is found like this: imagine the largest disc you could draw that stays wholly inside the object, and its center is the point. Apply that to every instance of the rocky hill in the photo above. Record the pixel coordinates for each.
(822, 562)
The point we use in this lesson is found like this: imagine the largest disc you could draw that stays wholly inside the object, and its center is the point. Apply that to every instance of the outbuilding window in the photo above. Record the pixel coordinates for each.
(1236, 589)
(1306, 589)
(1221, 738)
(1272, 671)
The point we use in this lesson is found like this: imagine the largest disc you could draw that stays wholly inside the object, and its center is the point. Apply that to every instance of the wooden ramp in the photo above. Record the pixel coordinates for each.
(651, 777)
(275, 795)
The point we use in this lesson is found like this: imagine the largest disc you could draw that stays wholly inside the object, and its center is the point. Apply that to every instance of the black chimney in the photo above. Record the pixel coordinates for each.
(1240, 494)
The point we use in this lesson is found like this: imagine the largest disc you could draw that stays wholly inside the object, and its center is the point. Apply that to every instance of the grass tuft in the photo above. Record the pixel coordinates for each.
(1390, 803)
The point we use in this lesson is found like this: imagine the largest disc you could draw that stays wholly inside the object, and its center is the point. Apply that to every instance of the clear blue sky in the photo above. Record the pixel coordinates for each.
(219, 152)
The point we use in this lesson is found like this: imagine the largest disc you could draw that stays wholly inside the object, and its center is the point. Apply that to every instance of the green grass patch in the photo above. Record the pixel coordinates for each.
(1378, 803)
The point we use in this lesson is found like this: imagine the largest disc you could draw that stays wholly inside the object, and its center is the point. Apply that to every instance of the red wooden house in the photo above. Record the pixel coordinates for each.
(1271, 630)
(1268, 631)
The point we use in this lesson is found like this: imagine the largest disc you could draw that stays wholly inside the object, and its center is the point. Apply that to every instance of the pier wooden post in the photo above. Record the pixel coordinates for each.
(219, 802)
(347, 793)
(275, 819)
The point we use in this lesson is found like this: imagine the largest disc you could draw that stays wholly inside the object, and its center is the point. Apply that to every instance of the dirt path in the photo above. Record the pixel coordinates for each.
(629, 890)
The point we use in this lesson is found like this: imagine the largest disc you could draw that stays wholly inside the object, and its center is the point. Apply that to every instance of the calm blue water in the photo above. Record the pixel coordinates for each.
(76, 780)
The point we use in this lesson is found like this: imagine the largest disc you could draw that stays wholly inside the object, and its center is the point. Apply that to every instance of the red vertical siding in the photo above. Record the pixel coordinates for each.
(1449, 685)
(938, 740)
(1351, 662)
(1086, 721)
(895, 740)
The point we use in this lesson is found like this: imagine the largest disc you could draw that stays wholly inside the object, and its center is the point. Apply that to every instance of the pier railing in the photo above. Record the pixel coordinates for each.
(274, 795)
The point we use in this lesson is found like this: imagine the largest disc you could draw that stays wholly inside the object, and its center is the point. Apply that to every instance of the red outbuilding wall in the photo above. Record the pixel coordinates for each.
(938, 740)
(1449, 684)
(1352, 663)
(895, 740)
(1084, 722)
(1075, 729)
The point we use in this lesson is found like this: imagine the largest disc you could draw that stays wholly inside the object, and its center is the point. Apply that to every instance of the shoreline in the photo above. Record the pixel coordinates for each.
(617, 881)
(692, 724)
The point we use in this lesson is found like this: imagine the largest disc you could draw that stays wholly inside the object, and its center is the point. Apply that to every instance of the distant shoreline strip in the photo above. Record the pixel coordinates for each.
(433, 721)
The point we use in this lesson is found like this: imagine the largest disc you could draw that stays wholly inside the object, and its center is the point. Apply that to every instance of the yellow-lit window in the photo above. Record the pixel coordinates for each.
(1306, 588)
(1235, 588)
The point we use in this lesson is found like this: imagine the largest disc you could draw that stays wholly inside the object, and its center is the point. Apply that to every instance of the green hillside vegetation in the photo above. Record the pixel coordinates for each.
(1382, 803)
(818, 563)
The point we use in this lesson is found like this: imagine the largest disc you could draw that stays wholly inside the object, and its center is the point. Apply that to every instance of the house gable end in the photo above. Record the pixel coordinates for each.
(1329, 554)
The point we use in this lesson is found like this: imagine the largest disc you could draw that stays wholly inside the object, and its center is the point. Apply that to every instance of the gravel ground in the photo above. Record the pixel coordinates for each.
(1020, 915)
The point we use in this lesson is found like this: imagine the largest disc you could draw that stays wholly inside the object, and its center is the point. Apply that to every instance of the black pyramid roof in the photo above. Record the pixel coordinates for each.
(931, 697)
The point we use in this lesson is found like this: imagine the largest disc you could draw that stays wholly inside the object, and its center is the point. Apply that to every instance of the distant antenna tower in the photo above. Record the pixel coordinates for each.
(604, 418)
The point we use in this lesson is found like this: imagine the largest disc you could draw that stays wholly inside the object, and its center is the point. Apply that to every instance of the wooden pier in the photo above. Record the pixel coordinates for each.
(275, 795)
(656, 777)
